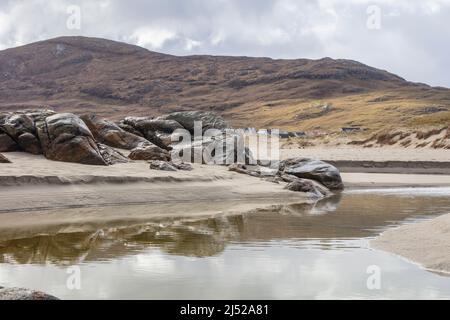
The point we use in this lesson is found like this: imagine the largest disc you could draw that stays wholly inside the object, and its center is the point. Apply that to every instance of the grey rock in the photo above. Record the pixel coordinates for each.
(24, 294)
(109, 133)
(161, 165)
(316, 170)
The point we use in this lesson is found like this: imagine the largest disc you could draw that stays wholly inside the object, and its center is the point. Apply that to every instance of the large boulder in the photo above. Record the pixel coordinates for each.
(316, 170)
(65, 137)
(209, 120)
(3, 159)
(149, 153)
(24, 294)
(111, 134)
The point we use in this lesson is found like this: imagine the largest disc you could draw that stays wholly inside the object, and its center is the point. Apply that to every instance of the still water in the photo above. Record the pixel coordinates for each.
(292, 251)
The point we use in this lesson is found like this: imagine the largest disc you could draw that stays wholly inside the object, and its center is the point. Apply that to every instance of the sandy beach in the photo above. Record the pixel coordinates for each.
(426, 243)
(34, 192)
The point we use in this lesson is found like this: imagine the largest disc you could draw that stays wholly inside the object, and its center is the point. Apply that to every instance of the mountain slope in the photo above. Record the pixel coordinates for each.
(115, 79)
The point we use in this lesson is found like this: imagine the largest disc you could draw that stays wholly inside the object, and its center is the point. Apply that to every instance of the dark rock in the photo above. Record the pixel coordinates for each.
(3, 159)
(109, 133)
(161, 165)
(7, 144)
(309, 186)
(209, 120)
(316, 170)
(110, 155)
(157, 131)
(24, 294)
(65, 137)
(149, 153)
(29, 143)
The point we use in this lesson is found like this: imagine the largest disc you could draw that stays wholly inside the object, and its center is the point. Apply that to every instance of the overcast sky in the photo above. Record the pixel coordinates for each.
(408, 37)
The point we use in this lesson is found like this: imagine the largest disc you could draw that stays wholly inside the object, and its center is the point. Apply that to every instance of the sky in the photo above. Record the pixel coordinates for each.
(410, 38)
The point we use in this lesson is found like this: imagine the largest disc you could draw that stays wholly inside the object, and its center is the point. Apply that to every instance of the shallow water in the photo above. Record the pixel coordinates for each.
(295, 251)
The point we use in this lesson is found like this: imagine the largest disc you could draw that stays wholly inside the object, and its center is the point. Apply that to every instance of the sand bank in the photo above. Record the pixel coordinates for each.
(426, 243)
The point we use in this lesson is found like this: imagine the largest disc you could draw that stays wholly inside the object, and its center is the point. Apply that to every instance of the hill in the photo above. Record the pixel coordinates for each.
(115, 79)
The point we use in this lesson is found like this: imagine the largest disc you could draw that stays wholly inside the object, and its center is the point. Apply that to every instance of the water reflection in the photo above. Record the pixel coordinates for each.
(340, 222)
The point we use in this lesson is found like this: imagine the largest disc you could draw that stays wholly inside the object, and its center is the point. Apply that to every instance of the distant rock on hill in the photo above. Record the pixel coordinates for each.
(113, 79)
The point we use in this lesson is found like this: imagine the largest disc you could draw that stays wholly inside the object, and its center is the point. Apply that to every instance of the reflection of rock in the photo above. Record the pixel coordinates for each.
(309, 186)
(24, 294)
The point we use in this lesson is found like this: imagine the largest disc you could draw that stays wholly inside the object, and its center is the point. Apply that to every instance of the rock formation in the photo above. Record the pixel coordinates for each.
(111, 134)
(23, 294)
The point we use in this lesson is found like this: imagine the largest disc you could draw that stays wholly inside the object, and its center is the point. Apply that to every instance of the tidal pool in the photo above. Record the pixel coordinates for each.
(291, 251)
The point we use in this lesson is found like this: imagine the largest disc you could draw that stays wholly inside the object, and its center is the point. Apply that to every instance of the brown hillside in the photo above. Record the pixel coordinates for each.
(115, 79)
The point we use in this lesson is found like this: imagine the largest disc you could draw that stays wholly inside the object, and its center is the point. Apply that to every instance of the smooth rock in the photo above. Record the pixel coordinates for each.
(65, 137)
(316, 170)
(111, 134)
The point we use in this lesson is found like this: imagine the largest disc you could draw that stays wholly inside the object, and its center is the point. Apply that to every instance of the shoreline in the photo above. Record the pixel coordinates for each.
(425, 243)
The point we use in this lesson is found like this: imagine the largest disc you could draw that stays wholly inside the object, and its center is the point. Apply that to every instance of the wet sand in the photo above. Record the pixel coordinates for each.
(426, 243)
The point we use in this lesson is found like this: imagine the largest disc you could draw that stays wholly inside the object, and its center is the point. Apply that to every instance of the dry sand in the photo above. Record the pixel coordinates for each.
(368, 154)
(426, 243)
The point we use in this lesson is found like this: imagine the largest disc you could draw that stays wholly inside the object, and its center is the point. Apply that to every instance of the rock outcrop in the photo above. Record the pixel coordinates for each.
(65, 137)
(24, 294)
(316, 170)
(111, 134)
(3, 159)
